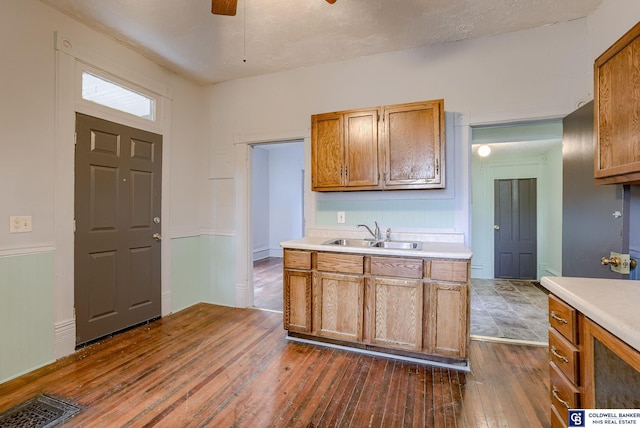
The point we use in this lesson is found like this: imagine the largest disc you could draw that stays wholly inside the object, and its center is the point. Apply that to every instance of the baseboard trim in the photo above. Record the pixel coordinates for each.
(463, 368)
(64, 338)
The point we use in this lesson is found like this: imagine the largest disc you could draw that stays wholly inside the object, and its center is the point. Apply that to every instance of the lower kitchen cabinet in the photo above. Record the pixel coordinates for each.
(338, 306)
(297, 291)
(297, 301)
(447, 318)
(397, 313)
(406, 306)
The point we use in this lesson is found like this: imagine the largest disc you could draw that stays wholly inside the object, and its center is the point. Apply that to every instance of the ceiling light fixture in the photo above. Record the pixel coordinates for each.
(484, 151)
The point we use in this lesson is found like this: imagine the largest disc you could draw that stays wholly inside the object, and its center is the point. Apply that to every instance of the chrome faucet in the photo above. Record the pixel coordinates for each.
(376, 234)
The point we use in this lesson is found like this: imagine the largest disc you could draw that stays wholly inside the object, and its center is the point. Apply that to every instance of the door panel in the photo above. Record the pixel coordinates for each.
(117, 261)
(516, 232)
(361, 148)
(589, 230)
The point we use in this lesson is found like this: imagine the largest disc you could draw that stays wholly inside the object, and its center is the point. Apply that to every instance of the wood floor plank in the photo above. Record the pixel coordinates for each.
(211, 366)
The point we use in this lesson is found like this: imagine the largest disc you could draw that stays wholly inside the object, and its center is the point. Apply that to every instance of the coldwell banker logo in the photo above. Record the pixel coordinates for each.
(576, 418)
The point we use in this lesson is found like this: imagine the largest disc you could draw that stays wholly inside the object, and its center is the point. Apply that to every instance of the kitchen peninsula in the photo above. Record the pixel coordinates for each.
(406, 297)
(594, 345)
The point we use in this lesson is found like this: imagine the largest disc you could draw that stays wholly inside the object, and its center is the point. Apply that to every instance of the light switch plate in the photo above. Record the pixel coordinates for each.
(341, 217)
(20, 224)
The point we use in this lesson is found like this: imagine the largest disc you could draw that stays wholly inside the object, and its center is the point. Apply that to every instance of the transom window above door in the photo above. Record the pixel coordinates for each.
(102, 91)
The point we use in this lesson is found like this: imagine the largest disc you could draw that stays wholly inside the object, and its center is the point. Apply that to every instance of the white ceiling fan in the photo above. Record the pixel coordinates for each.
(228, 7)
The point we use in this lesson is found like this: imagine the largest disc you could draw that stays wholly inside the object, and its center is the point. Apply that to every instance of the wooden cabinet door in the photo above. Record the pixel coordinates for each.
(297, 301)
(361, 148)
(396, 319)
(338, 306)
(414, 145)
(327, 136)
(447, 324)
(617, 107)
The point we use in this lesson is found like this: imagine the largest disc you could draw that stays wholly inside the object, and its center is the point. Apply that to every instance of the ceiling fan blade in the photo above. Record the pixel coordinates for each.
(224, 7)
(331, 1)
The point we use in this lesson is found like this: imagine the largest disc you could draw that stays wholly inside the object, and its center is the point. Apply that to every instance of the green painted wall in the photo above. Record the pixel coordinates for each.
(202, 270)
(26, 313)
(219, 253)
(401, 213)
(187, 273)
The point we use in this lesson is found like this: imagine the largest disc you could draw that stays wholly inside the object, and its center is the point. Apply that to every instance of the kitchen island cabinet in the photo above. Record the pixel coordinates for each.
(594, 345)
(406, 307)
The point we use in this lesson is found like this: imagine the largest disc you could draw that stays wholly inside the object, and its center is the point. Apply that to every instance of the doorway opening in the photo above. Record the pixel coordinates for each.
(508, 304)
(277, 214)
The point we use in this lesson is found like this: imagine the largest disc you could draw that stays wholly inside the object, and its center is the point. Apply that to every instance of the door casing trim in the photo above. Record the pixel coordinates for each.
(70, 56)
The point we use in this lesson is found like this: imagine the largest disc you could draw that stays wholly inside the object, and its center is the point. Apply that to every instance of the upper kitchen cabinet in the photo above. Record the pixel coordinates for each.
(344, 150)
(414, 145)
(387, 148)
(617, 112)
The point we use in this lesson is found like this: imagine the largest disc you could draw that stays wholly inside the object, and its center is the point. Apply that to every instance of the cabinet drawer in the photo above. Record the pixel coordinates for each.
(563, 318)
(564, 395)
(343, 263)
(556, 419)
(448, 270)
(297, 259)
(565, 355)
(393, 266)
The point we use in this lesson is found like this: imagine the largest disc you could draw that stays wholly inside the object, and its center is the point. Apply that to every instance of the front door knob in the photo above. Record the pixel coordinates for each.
(156, 236)
(613, 261)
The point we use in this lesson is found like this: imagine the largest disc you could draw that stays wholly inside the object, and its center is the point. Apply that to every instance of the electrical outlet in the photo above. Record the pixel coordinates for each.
(341, 217)
(20, 224)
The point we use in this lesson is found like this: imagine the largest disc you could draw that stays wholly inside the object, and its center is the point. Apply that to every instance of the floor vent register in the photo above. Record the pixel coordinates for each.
(43, 411)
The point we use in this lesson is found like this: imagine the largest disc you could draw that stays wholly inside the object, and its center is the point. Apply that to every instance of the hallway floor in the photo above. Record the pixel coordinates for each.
(500, 308)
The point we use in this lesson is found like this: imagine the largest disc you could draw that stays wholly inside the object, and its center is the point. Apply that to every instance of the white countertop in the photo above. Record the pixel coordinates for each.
(449, 250)
(610, 303)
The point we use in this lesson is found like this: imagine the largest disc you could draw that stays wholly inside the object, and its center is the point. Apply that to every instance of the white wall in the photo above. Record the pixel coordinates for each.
(260, 191)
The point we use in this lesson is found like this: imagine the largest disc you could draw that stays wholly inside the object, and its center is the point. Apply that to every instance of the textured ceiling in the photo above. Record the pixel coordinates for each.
(268, 36)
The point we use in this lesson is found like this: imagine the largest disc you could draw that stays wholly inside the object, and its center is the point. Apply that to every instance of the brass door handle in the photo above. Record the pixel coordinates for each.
(613, 261)
(156, 237)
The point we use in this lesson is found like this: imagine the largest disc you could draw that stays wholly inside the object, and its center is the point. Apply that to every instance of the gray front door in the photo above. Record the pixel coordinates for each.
(515, 240)
(117, 212)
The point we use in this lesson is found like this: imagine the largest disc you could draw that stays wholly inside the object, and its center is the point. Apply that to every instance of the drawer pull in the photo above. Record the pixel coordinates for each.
(557, 318)
(554, 391)
(559, 356)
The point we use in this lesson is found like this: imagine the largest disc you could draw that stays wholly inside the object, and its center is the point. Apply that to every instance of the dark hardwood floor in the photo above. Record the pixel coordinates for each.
(214, 366)
(500, 308)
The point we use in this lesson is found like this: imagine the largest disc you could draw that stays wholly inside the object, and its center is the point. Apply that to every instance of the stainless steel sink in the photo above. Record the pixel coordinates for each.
(399, 245)
(344, 242)
(368, 243)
